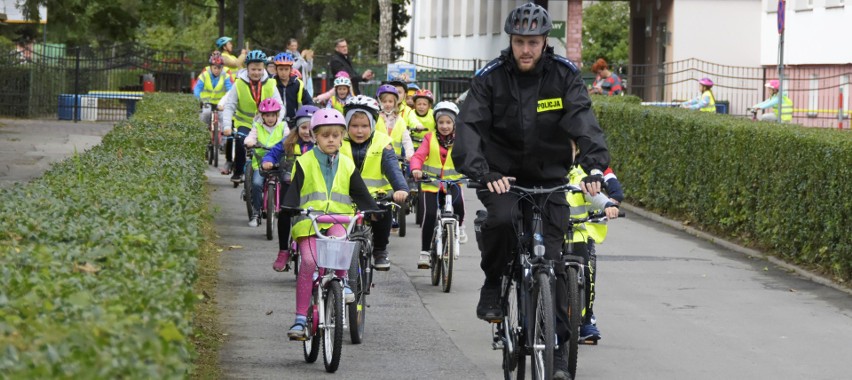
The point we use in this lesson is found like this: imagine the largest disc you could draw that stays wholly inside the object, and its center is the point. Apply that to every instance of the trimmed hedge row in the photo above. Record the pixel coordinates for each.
(97, 257)
(784, 188)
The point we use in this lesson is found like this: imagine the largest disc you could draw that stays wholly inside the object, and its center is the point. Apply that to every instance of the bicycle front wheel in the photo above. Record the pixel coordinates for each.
(357, 311)
(435, 266)
(510, 332)
(311, 346)
(543, 329)
(249, 173)
(448, 257)
(215, 133)
(270, 210)
(332, 340)
(401, 211)
(575, 315)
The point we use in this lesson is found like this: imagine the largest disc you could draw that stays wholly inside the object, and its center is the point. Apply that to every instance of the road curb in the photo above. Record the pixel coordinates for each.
(735, 247)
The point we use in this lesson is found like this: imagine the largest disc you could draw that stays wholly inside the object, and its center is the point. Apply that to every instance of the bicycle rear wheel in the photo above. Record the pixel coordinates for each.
(447, 258)
(514, 359)
(575, 311)
(543, 329)
(271, 211)
(357, 311)
(311, 346)
(332, 342)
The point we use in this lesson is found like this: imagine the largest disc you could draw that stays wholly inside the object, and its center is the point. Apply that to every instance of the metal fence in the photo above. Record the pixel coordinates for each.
(84, 83)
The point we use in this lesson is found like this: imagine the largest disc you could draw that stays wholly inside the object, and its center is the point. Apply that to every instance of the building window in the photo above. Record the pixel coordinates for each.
(497, 15)
(483, 16)
(445, 18)
(457, 17)
(844, 85)
(813, 96)
(835, 3)
(433, 21)
(771, 6)
(424, 11)
(804, 5)
(469, 18)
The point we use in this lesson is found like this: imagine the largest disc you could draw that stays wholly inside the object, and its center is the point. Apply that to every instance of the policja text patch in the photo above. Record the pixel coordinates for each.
(545, 105)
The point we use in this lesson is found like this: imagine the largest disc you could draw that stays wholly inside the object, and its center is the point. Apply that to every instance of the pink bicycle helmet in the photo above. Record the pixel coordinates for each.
(386, 89)
(706, 82)
(774, 84)
(269, 105)
(341, 74)
(327, 116)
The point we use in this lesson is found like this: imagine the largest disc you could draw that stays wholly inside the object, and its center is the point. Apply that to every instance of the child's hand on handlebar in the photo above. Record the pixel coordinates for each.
(611, 212)
(400, 196)
(267, 165)
(417, 174)
(227, 132)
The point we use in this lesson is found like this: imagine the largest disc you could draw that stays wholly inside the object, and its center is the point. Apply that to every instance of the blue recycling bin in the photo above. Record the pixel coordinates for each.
(66, 107)
(722, 106)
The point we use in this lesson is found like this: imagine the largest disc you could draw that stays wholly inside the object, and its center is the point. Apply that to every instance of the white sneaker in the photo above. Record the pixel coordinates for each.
(423, 262)
(254, 221)
(462, 237)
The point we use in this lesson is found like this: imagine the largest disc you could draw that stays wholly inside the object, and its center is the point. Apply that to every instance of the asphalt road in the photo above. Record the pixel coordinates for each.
(28, 147)
(670, 306)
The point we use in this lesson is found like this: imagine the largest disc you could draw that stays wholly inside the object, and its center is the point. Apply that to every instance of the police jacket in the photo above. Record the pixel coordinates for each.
(521, 124)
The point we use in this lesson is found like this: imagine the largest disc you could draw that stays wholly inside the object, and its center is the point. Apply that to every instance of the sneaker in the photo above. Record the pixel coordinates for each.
(423, 262)
(254, 221)
(589, 332)
(348, 296)
(560, 365)
(488, 308)
(227, 168)
(462, 237)
(280, 264)
(299, 329)
(380, 260)
(236, 178)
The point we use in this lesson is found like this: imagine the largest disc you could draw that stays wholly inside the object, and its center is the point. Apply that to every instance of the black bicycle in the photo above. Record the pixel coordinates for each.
(527, 300)
(411, 203)
(213, 127)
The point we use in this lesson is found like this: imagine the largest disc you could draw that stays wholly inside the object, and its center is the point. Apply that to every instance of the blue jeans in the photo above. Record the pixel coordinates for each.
(257, 190)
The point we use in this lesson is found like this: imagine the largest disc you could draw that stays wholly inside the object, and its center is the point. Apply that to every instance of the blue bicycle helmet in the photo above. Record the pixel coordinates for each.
(255, 56)
(413, 86)
(222, 41)
(284, 59)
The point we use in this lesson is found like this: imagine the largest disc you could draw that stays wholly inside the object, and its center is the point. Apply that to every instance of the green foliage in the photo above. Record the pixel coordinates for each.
(606, 28)
(98, 257)
(784, 188)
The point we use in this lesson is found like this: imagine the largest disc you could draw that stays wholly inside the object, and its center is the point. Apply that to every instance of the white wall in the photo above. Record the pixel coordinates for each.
(817, 36)
(466, 42)
(734, 31)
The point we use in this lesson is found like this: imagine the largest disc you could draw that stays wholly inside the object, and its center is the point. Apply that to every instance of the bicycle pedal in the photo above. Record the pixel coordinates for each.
(589, 342)
(299, 339)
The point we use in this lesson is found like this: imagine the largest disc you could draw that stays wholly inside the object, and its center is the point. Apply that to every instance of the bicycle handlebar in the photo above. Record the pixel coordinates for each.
(313, 215)
(567, 188)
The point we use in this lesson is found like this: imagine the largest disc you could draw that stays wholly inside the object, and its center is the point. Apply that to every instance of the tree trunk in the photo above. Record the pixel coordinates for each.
(385, 29)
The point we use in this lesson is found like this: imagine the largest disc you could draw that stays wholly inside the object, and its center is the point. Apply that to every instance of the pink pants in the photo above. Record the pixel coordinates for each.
(304, 283)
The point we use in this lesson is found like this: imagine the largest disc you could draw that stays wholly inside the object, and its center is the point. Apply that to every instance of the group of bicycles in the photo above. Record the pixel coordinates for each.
(527, 291)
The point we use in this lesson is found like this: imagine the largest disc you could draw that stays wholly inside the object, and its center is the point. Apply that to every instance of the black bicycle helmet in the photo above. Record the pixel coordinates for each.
(528, 20)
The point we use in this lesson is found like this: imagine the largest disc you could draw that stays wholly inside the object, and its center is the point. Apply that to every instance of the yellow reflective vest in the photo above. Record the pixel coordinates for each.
(786, 109)
(395, 135)
(427, 122)
(266, 138)
(580, 209)
(371, 169)
(435, 168)
(314, 192)
(337, 104)
(210, 94)
(710, 107)
(246, 107)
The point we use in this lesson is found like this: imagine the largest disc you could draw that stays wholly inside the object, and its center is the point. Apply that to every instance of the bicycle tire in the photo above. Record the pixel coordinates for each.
(311, 346)
(357, 311)
(295, 256)
(247, 185)
(401, 211)
(216, 144)
(514, 359)
(333, 334)
(208, 155)
(435, 266)
(270, 210)
(543, 333)
(575, 316)
(448, 258)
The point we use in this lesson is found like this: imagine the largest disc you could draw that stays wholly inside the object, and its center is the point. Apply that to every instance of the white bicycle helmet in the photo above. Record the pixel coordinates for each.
(343, 81)
(446, 108)
(362, 103)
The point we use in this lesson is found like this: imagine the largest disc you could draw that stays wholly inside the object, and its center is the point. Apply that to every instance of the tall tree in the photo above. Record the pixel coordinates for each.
(606, 31)
(385, 30)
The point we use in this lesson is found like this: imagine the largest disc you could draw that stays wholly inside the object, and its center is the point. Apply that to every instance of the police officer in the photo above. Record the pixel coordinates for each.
(521, 114)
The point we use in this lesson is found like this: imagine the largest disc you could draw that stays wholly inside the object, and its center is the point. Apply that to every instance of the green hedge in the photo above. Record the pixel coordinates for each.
(97, 257)
(784, 188)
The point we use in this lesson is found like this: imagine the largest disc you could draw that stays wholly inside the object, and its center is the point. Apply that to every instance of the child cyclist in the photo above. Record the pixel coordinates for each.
(588, 234)
(252, 86)
(378, 164)
(422, 120)
(285, 154)
(267, 133)
(705, 102)
(291, 88)
(325, 97)
(391, 123)
(411, 89)
(434, 159)
(327, 181)
(342, 93)
(213, 83)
